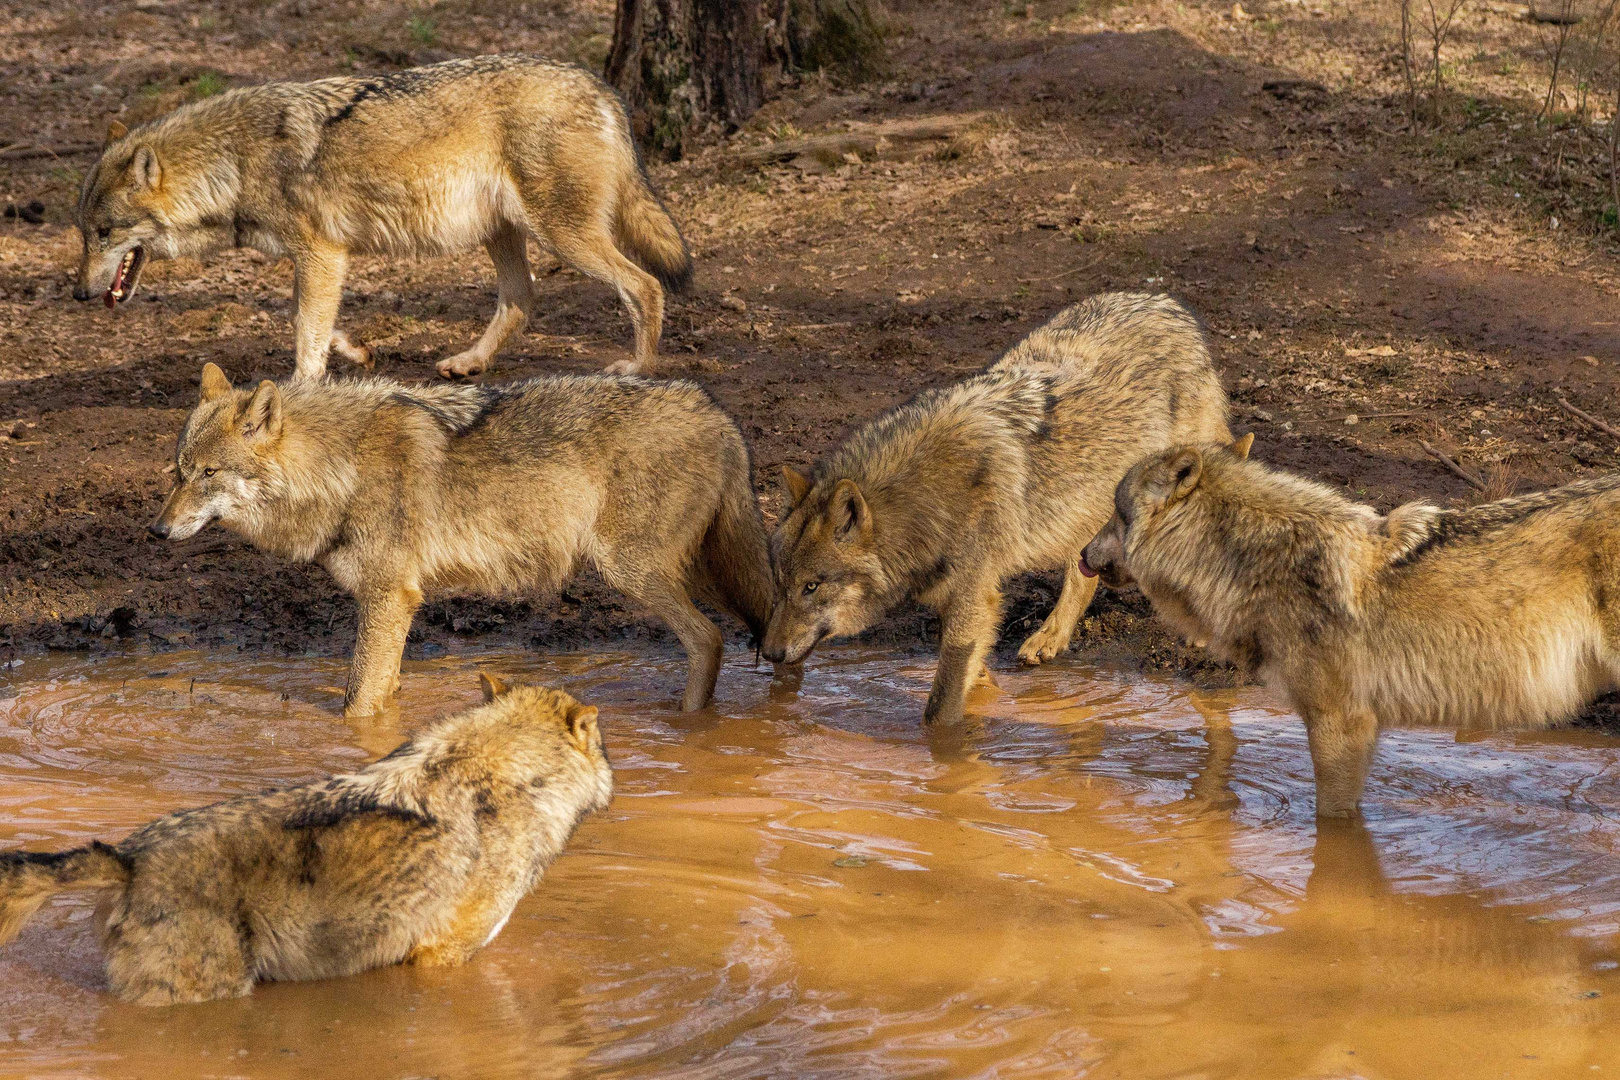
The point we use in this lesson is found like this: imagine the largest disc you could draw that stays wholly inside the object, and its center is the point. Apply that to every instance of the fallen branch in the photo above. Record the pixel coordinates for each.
(1358, 416)
(1446, 460)
(1586, 417)
(862, 140)
(23, 151)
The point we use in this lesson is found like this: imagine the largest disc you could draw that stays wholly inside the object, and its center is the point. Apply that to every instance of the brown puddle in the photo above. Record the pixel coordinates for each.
(1110, 876)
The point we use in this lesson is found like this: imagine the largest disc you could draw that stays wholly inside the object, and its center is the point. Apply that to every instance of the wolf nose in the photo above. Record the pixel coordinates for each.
(159, 530)
(775, 656)
(80, 293)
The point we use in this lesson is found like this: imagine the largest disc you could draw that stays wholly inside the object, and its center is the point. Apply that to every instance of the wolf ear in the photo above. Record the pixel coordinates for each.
(115, 131)
(144, 168)
(1183, 473)
(261, 417)
(797, 484)
(1241, 446)
(580, 720)
(493, 686)
(214, 383)
(848, 511)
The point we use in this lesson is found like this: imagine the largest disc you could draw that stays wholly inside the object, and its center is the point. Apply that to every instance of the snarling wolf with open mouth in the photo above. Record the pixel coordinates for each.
(493, 150)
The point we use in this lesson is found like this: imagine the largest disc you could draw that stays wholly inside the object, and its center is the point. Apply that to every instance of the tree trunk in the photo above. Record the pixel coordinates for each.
(685, 65)
(689, 66)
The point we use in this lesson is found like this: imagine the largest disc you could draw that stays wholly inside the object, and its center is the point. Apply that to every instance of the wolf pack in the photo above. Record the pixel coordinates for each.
(1098, 445)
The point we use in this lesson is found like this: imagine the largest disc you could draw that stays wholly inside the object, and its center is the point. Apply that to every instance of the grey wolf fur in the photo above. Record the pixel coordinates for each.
(491, 150)
(397, 490)
(1010, 470)
(419, 857)
(1498, 616)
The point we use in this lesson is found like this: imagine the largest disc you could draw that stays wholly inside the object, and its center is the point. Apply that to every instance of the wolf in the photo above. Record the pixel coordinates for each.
(1497, 616)
(1009, 470)
(419, 857)
(492, 150)
(397, 490)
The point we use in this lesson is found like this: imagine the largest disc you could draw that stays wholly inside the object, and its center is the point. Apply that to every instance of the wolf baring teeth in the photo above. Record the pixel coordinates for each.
(491, 151)
(1010, 470)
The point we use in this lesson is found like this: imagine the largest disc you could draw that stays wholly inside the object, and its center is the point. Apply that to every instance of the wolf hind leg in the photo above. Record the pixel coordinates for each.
(188, 957)
(593, 251)
(513, 306)
(702, 640)
(1054, 635)
(1342, 742)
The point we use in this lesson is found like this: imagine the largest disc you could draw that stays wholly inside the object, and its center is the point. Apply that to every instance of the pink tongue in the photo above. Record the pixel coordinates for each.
(1085, 568)
(107, 298)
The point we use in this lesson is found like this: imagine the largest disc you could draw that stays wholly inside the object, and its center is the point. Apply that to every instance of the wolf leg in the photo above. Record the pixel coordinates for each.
(594, 253)
(1342, 743)
(700, 638)
(318, 271)
(355, 352)
(515, 303)
(1053, 638)
(967, 630)
(174, 958)
(385, 620)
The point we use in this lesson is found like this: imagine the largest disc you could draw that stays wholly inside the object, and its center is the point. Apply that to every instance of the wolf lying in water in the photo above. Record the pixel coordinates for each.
(398, 489)
(419, 857)
(1497, 616)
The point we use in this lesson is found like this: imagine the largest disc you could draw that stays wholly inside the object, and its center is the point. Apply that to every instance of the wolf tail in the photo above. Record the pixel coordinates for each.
(736, 554)
(645, 232)
(29, 878)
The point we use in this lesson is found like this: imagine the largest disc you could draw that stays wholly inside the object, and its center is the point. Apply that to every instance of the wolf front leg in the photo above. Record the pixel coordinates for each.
(1052, 639)
(968, 623)
(318, 270)
(385, 620)
(1342, 741)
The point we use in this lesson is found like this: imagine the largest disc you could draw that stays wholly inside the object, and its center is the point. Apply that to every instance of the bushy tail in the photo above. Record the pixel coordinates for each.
(29, 878)
(645, 232)
(736, 555)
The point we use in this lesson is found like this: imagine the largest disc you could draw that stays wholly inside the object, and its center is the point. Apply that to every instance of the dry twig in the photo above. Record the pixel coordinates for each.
(1446, 459)
(1583, 415)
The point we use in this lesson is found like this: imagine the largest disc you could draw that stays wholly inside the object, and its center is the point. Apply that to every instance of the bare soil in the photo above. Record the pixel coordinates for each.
(1436, 283)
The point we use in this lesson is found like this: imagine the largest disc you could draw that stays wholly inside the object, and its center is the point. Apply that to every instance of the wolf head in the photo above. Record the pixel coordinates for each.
(142, 201)
(225, 457)
(522, 744)
(1143, 502)
(829, 579)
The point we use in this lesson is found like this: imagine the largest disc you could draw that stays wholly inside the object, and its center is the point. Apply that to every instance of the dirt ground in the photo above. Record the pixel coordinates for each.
(1368, 286)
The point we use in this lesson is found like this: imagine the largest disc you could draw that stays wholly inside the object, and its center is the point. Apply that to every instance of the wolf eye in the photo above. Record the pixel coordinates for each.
(811, 586)
(103, 232)
(210, 471)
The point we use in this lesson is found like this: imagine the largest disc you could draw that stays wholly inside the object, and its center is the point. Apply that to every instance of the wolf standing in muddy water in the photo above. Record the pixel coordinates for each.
(1497, 616)
(397, 490)
(435, 160)
(419, 857)
(1010, 470)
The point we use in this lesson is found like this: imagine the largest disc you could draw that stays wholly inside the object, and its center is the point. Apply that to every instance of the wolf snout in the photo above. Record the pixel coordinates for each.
(80, 293)
(159, 530)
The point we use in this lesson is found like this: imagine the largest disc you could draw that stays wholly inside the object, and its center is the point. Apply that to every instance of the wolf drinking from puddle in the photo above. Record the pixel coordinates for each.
(490, 150)
(1011, 470)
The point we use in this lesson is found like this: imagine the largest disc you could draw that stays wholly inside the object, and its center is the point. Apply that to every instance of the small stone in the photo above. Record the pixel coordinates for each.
(848, 861)
(733, 303)
(1590, 361)
(1352, 420)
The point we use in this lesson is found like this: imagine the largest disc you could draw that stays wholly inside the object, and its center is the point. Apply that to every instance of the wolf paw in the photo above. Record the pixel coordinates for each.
(461, 366)
(625, 367)
(1043, 645)
(355, 352)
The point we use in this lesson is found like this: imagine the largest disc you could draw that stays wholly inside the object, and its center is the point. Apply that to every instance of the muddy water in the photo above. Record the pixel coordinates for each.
(1110, 877)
